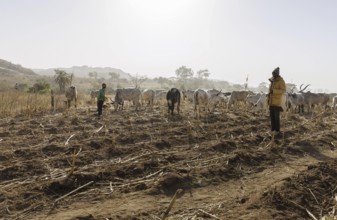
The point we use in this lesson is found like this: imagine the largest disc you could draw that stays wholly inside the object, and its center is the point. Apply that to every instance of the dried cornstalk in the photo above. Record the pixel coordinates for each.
(67, 142)
(311, 215)
(178, 192)
(72, 164)
(313, 196)
(208, 214)
(62, 197)
(272, 141)
(134, 158)
(96, 131)
(111, 189)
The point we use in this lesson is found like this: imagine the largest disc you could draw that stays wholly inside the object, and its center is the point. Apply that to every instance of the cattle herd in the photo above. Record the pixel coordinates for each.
(208, 100)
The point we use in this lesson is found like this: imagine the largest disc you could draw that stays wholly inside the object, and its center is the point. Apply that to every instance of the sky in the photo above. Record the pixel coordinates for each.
(233, 39)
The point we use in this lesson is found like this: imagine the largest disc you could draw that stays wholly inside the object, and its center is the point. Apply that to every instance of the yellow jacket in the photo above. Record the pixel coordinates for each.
(276, 90)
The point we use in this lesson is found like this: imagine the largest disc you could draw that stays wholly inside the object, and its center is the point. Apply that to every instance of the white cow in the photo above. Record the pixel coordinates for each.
(259, 101)
(253, 98)
(148, 97)
(334, 102)
(313, 99)
(296, 101)
(127, 94)
(206, 99)
(71, 95)
(331, 97)
(237, 97)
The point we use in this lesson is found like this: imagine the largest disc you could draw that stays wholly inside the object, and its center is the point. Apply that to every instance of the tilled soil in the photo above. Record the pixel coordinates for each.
(129, 165)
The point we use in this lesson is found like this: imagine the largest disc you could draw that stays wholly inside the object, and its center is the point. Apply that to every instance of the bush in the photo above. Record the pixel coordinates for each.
(41, 86)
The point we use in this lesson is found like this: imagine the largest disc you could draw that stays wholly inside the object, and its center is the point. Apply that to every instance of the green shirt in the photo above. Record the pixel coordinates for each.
(101, 95)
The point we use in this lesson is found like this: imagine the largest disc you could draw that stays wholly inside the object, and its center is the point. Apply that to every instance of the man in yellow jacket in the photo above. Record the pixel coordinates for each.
(277, 89)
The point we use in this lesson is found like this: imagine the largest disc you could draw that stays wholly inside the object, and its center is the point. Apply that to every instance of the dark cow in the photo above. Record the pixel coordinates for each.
(173, 97)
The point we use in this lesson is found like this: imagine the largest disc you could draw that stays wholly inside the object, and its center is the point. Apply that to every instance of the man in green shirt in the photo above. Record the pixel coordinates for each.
(101, 99)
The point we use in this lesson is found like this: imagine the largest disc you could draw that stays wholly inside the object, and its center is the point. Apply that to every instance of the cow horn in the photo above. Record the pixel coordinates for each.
(219, 92)
(302, 90)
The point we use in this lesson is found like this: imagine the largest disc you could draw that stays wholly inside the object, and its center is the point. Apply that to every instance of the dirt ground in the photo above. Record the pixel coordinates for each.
(130, 164)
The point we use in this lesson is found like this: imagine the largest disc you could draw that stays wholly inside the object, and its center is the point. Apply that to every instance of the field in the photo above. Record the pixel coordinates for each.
(130, 165)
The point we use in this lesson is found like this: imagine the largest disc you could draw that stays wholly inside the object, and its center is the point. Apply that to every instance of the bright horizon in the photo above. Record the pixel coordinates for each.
(230, 38)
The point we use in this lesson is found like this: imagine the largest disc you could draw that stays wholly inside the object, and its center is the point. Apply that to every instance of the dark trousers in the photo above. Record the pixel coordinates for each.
(275, 118)
(100, 107)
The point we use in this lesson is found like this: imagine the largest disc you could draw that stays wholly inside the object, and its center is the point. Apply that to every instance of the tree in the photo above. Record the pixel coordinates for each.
(183, 72)
(138, 80)
(63, 79)
(201, 74)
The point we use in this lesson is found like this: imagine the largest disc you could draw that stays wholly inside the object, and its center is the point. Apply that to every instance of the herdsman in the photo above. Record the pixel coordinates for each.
(276, 90)
(101, 99)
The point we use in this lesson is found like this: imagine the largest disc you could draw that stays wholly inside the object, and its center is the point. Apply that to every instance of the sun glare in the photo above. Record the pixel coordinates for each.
(155, 9)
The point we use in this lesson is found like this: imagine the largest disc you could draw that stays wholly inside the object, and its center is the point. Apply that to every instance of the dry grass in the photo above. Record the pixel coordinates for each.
(13, 103)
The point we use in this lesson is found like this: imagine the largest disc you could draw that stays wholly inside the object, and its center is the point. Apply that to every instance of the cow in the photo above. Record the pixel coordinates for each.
(259, 101)
(148, 96)
(71, 95)
(208, 99)
(173, 97)
(331, 97)
(253, 98)
(93, 95)
(334, 102)
(127, 94)
(237, 97)
(296, 101)
(312, 99)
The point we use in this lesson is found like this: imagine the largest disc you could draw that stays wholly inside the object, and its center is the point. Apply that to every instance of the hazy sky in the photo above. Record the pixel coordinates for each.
(230, 38)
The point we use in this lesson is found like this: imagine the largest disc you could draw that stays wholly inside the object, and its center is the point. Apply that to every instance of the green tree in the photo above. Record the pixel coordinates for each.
(183, 72)
(63, 79)
(203, 74)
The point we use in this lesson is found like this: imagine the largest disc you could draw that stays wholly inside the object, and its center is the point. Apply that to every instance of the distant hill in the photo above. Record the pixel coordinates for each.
(83, 71)
(9, 69)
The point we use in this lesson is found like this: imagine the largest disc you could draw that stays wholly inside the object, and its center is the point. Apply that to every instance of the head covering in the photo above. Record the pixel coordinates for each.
(103, 85)
(276, 72)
